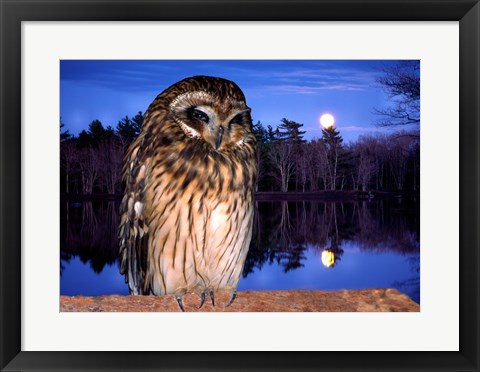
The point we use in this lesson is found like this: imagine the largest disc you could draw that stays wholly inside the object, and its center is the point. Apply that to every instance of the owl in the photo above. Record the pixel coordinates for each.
(187, 212)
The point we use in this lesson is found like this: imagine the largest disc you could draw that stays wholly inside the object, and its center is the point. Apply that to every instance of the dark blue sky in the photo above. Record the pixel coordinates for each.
(295, 89)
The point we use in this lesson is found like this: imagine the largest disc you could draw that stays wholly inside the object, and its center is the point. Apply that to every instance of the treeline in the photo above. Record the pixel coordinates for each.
(91, 162)
(374, 162)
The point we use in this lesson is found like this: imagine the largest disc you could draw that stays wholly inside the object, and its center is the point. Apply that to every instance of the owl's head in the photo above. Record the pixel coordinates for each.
(210, 109)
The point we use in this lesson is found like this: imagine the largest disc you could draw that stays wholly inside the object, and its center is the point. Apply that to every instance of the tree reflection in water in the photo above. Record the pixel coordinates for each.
(89, 230)
(283, 232)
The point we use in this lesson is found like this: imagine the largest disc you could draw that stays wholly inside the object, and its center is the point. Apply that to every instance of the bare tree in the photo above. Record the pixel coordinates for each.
(365, 165)
(378, 145)
(68, 158)
(89, 166)
(399, 147)
(283, 162)
(366, 169)
(318, 164)
(263, 162)
(372, 157)
(416, 165)
(110, 155)
(401, 83)
(333, 143)
(302, 165)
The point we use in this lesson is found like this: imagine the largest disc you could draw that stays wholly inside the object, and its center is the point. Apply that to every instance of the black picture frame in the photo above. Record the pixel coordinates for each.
(13, 12)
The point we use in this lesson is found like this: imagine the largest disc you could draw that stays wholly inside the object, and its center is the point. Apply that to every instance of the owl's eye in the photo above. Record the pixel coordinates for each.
(238, 119)
(198, 115)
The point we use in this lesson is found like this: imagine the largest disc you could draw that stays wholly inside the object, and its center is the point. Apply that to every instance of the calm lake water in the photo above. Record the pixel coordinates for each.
(295, 245)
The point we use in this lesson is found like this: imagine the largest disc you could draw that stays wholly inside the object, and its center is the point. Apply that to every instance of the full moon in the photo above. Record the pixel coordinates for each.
(327, 120)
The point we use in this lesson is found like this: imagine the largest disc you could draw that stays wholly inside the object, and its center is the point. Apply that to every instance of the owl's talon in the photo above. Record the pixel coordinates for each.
(210, 292)
(234, 295)
(202, 296)
(180, 303)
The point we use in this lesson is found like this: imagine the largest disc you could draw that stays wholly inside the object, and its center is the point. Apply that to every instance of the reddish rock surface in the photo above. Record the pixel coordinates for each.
(365, 300)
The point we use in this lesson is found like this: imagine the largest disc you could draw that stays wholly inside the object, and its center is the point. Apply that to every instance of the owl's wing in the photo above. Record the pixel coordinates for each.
(133, 229)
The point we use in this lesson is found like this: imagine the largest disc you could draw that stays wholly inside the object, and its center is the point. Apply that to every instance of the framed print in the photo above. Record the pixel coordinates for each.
(86, 62)
(314, 206)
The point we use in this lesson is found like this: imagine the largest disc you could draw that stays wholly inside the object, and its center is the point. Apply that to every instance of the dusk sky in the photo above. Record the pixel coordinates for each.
(294, 89)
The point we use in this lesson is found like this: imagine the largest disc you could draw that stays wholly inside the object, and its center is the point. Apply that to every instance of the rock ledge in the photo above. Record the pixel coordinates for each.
(363, 300)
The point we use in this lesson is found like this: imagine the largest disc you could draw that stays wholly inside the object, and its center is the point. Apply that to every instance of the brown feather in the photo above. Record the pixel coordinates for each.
(187, 212)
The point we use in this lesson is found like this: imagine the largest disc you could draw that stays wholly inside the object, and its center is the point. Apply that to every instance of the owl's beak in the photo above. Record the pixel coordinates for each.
(218, 140)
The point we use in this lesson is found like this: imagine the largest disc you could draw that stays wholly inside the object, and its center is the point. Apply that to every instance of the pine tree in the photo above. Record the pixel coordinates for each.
(332, 138)
(271, 136)
(290, 131)
(260, 132)
(95, 135)
(137, 121)
(333, 143)
(128, 129)
(84, 139)
(263, 148)
(64, 135)
(125, 130)
(109, 133)
(96, 132)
